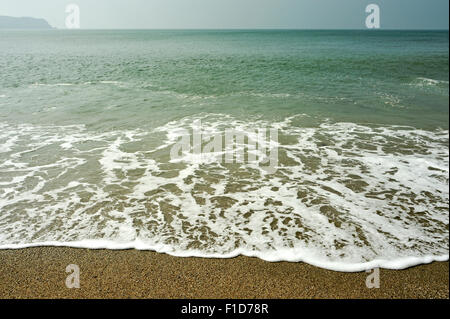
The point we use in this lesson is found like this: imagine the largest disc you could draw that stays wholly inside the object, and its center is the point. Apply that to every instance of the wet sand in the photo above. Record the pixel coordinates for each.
(41, 273)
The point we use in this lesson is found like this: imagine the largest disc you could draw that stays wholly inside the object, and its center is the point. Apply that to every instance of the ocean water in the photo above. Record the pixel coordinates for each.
(88, 120)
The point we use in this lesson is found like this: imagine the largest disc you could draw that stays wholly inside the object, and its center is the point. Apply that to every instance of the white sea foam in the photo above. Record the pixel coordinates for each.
(112, 82)
(290, 255)
(108, 82)
(430, 84)
(390, 99)
(54, 84)
(345, 196)
(426, 81)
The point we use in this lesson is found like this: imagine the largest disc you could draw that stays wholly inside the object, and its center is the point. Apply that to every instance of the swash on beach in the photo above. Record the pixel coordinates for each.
(88, 120)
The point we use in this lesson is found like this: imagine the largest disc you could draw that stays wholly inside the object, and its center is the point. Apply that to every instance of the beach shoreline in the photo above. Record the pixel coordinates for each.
(40, 272)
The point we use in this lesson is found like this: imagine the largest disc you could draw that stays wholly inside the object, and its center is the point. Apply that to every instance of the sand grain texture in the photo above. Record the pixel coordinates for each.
(40, 273)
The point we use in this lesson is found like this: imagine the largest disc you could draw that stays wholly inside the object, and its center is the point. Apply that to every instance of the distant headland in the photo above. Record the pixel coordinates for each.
(23, 23)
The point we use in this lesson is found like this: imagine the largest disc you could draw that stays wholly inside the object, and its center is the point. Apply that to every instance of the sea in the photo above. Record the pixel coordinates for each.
(90, 121)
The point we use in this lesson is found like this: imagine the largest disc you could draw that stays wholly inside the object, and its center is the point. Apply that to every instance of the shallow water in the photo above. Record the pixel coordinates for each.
(88, 120)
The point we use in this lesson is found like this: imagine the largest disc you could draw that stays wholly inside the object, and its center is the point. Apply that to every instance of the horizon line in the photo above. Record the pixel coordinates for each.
(225, 29)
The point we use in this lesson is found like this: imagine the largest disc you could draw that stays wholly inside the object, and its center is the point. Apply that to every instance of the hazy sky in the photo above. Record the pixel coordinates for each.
(219, 14)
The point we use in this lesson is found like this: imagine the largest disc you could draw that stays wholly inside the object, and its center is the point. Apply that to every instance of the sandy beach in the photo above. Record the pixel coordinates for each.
(40, 273)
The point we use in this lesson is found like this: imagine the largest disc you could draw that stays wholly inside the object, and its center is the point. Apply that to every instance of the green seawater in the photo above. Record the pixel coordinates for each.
(110, 79)
(89, 120)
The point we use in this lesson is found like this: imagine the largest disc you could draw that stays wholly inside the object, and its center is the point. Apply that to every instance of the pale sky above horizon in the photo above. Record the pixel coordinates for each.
(231, 14)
